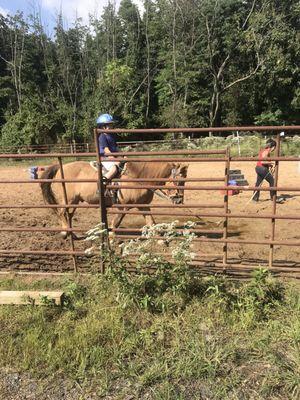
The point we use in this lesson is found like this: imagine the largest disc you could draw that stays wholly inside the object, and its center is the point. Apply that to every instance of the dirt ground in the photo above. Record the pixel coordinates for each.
(286, 258)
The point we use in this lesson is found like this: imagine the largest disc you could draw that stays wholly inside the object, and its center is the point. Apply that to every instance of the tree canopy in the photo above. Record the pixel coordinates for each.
(181, 63)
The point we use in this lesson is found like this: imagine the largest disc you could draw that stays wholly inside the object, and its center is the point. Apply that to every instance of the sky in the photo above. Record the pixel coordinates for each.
(49, 9)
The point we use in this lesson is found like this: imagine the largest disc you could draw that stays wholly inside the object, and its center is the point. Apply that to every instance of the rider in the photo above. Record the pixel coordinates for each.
(107, 146)
(263, 169)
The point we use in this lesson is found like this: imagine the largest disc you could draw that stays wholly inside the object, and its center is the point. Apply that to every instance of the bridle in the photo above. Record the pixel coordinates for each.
(169, 193)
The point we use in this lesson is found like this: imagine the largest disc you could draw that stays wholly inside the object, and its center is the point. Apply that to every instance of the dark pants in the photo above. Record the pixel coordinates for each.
(263, 173)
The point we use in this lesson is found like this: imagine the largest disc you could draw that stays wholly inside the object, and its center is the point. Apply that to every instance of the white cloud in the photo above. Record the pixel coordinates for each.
(4, 11)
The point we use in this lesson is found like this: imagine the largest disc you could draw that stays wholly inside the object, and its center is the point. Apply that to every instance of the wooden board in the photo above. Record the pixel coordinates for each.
(31, 297)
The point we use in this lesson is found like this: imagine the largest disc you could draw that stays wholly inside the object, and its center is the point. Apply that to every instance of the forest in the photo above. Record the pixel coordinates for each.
(178, 63)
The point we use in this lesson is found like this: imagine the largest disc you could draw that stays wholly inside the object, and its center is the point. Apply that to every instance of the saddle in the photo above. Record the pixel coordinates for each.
(111, 192)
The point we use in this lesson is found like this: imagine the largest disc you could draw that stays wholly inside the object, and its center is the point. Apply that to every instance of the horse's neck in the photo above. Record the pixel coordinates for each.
(148, 170)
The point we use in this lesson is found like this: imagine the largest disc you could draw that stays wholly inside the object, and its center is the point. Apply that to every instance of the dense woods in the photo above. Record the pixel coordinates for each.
(179, 63)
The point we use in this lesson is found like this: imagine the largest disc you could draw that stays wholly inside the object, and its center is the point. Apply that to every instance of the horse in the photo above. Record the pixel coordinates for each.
(77, 192)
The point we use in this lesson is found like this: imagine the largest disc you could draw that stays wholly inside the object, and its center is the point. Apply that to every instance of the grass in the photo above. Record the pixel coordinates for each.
(228, 341)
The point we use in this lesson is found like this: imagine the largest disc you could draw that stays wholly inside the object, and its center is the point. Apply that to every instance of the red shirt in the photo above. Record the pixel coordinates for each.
(264, 153)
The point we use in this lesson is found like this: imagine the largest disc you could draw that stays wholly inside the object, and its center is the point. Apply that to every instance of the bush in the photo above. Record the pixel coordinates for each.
(249, 144)
(167, 283)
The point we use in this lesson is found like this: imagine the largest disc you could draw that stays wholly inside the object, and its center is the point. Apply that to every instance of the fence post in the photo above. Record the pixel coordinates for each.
(102, 206)
(273, 220)
(225, 223)
(238, 142)
(67, 211)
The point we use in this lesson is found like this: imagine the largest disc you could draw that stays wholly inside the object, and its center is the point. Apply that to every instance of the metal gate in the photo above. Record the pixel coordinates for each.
(219, 235)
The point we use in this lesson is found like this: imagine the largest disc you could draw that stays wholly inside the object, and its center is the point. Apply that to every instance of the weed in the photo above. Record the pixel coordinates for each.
(263, 293)
(47, 301)
(159, 284)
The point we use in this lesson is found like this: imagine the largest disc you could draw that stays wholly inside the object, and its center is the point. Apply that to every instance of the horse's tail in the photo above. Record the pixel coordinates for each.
(47, 191)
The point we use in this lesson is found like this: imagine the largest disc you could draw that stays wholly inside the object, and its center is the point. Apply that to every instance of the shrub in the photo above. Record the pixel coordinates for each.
(166, 282)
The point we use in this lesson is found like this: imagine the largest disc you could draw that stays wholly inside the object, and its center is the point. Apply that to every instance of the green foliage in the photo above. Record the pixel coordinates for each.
(47, 301)
(269, 118)
(222, 63)
(30, 123)
(242, 335)
(248, 144)
(262, 294)
(170, 284)
(114, 88)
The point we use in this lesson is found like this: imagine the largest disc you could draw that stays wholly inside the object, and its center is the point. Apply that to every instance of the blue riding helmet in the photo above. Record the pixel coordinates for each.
(105, 119)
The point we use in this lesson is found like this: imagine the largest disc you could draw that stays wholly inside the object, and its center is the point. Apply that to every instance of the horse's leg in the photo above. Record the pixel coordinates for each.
(148, 218)
(62, 214)
(119, 217)
(66, 222)
(116, 222)
(71, 214)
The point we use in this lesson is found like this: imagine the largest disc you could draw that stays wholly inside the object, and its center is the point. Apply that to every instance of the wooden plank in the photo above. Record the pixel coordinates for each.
(31, 297)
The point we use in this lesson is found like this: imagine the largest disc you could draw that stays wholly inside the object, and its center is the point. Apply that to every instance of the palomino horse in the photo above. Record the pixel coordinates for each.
(87, 192)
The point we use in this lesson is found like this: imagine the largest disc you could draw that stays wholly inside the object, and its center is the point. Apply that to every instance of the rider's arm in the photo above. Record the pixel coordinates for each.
(103, 145)
(106, 150)
(266, 154)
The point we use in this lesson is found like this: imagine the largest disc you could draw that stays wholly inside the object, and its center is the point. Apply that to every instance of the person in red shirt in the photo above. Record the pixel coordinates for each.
(263, 169)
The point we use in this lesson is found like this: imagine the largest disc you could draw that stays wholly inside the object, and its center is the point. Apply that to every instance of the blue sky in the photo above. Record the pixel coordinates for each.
(49, 9)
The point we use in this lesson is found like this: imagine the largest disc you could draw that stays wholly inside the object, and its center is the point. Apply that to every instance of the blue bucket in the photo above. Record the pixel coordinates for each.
(232, 183)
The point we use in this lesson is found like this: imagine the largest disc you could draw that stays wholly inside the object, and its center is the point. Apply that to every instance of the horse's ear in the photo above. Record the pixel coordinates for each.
(183, 169)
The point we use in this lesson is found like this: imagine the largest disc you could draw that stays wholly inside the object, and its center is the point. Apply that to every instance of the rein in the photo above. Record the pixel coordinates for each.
(158, 192)
(161, 194)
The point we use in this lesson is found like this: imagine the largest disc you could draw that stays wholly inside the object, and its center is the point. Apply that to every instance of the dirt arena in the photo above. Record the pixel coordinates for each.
(286, 258)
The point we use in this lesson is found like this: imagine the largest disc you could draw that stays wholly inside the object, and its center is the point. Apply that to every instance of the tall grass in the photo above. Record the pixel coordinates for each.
(166, 334)
(217, 340)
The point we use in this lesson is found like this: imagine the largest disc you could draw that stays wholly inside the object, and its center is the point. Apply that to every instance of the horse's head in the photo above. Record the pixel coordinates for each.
(178, 172)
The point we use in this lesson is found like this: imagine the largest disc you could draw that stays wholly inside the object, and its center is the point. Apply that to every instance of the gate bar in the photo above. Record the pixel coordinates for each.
(67, 213)
(273, 220)
(210, 215)
(102, 206)
(221, 240)
(167, 205)
(225, 222)
(194, 230)
(209, 129)
(113, 180)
